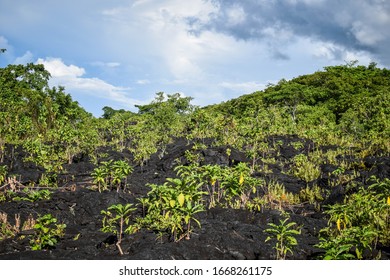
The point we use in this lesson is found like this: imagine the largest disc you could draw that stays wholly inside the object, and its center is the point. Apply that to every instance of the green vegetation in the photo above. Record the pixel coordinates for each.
(359, 224)
(32, 195)
(337, 117)
(345, 105)
(114, 220)
(283, 235)
(171, 208)
(111, 173)
(47, 233)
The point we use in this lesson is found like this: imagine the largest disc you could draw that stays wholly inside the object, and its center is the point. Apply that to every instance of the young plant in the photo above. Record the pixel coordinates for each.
(6, 229)
(115, 218)
(305, 169)
(47, 233)
(189, 211)
(3, 173)
(172, 207)
(99, 176)
(33, 196)
(121, 170)
(349, 244)
(283, 236)
(359, 224)
(111, 173)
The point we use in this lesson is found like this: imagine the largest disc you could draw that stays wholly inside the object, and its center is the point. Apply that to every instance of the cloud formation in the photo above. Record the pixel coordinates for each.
(71, 77)
(212, 50)
(360, 25)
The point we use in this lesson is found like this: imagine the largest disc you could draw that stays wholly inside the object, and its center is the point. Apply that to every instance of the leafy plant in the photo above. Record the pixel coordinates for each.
(47, 233)
(305, 169)
(313, 195)
(359, 224)
(121, 170)
(111, 173)
(3, 173)
(32, 196)
(99, 175)
(341, 246)
(256, 204)
(283, 236)
(173, 206)
(115, 218)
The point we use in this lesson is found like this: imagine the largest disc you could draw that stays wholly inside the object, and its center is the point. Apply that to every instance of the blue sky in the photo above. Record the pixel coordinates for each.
(119, 53)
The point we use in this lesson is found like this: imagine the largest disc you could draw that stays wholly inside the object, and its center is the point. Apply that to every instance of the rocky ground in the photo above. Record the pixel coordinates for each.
(224, 233)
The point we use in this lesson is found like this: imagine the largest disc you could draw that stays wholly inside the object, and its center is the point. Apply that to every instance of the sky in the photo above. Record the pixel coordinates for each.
(119, 53)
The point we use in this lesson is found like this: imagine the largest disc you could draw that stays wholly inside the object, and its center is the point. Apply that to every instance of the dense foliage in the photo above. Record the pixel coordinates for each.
(342, 103)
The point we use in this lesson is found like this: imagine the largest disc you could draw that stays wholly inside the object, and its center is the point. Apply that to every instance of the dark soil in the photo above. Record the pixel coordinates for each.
(224, 234)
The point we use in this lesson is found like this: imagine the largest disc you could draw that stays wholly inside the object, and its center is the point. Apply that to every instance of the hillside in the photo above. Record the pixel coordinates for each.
(175, 181)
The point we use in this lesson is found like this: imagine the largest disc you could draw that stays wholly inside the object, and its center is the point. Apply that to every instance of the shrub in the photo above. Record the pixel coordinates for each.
(47, 233)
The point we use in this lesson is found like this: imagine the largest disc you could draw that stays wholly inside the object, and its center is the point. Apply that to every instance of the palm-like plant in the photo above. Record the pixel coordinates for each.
(99, 176)
(121, 169)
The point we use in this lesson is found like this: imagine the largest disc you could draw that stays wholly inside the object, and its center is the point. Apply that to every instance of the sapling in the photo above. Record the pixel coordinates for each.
(111, 222)
(283, 233)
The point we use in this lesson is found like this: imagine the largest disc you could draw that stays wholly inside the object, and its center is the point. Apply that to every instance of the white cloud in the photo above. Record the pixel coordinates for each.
(162, 33)
(71, 77)
(58, 69)
(24, 59)
(366, 34)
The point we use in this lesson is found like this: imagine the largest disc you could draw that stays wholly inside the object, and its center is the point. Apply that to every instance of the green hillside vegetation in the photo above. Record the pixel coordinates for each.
(345, 105)
(338, 117)
(342, 105)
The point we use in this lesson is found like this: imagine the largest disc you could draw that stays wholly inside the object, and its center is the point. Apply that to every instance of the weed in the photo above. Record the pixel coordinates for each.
(297, 145)
(312, 195)
(305, 169)
(6, 229)
(3, 173)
